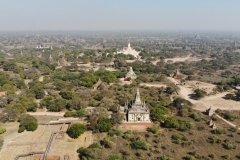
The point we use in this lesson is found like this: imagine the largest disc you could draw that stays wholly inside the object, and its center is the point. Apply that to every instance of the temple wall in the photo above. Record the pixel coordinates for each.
(138, 118)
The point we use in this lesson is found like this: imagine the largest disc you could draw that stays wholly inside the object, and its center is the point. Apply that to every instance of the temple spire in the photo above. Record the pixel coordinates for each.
(138, 100)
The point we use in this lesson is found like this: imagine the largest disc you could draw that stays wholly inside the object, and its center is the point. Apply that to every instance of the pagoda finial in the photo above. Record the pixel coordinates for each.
(138, 100)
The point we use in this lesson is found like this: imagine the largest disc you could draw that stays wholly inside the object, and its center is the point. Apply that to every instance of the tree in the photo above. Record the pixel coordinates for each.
(66, 94)
(81, 113)
(27, 122)
(159, 113)
(116, 118)
(200, 93)
(19, 107)
(76, 130)
(103, 124)
(171, 123)
(57, 105)
(9, 114)
(46, 101)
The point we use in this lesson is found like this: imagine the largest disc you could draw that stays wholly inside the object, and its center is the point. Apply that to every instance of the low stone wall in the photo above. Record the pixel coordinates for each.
(140, 127)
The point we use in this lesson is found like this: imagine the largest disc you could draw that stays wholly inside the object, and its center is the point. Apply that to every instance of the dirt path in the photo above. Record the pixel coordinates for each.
(46, 113)
(231, 124)
(153, 85)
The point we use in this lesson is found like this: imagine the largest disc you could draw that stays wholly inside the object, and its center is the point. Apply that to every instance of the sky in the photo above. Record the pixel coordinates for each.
(110, 15)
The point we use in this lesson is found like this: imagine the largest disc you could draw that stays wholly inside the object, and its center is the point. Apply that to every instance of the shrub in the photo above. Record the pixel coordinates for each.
(185, 125)
(95, 145)
(229, 145)
(125, 153)
(107, 142)
(114, 157)
(212, 156)
(188, 158)
(219, 131)
(139, 144)
(76, 130)
(177, 137)
(21, 129)
(155, 128)
(171, 123)
(227, 156)
(1, 143)
(2, 130)
(229, 116)
(27, 122)
(114, 132)
(31, 126)
(103, 124)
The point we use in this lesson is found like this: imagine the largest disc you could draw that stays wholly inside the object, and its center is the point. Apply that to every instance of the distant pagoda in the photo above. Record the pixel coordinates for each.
(131, 74)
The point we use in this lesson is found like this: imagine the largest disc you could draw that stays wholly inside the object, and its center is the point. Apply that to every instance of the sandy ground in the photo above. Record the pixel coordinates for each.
(47, 113)
(21, 143)
(69, 146)
(213, 101)
(153, 85)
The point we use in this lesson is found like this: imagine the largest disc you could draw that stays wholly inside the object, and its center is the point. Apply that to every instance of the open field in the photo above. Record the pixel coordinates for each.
(26, 142)
(214, 101)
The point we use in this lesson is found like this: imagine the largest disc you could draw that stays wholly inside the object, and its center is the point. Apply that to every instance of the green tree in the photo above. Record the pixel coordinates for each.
(57, 105)
(76, 130)
(66, 94)
(159, 113)
(103, 124)
(9, 114)
(200, 93)
(116, 118)
(171, 123)
(27, 122)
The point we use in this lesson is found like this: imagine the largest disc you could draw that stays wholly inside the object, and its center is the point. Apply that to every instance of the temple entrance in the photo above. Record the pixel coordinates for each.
(138, 119)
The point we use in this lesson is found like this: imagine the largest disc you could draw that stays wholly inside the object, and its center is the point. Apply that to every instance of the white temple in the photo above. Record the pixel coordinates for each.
(129, 50)
(136, 111)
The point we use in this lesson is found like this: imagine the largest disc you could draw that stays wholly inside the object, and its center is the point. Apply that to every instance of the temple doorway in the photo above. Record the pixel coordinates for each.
(138, 119)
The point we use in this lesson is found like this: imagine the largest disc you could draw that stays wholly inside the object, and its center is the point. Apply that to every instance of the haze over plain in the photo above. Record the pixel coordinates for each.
(27, 15)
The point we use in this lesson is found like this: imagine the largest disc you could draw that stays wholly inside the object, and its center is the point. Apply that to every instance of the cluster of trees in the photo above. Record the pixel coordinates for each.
(27, 122)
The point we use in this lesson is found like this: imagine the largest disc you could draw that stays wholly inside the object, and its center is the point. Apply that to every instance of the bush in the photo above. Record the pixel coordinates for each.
(27, 122)
(107, 142)
(171, 123)
(114, 132)
(155, 128)
(95, 145)
(103, 124)
(229, 116)
(76, 130)
(2, 130)
(21, 129)
(177, 137)
(31, 126)
(139, 144)
(219, 131)
(229, 145)
(114, 157)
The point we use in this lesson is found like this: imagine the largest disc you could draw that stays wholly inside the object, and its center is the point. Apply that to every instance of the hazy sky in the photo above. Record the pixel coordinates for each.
(120, 15)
